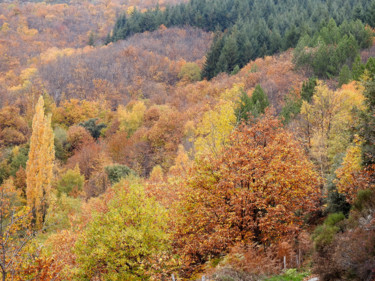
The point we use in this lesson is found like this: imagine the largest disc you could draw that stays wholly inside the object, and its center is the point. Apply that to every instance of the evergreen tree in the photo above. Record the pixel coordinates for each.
(39, 167)
(209, 70)
(94, 129)
(291, 108)
(229, 56)
(370, 14)
(308, 88)
(358, 13)
(357, 68)
(259, 100)
(370, 65)
(244, 108)
(367, 126)
(251, 106)
(345, 76)
(259, 28)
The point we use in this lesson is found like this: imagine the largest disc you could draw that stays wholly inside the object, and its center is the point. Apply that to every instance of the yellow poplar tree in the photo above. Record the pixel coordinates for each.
(39, 168)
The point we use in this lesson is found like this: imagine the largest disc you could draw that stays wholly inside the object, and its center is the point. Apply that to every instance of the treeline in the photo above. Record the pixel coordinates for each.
(246, 29)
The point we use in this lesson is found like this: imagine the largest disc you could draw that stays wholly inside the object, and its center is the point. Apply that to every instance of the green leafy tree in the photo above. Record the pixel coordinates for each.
(190, 72)
(125, 242)
(71, 182)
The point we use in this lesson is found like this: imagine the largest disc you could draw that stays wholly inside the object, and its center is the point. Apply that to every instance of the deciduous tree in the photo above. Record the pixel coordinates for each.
(39, 168)
(258, 190)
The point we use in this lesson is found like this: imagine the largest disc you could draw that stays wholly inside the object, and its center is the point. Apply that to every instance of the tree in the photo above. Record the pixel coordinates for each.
(214, 129)
(126, 242)
(349, 178)
(14, 231)
(308, 88)
(357, 68)
(212, 57)
(131, 116)
(71, 182)
(190, 72)
(228, 58)
(39, 167)
(292, 106)
(248, 107)
(320, 115)
(117, 172)
(370, 14)
(94, 128)
(258, 190)
(260, 101)
(13, 128)
(345, 75)
(367, 125)
(244, 107)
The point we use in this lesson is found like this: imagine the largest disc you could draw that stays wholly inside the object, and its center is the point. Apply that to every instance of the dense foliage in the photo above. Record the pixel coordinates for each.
(118, 162)
(332, 47)
(252, 28)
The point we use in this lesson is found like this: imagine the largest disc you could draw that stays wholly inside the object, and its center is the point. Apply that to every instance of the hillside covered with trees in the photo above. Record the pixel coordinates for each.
(171, 140)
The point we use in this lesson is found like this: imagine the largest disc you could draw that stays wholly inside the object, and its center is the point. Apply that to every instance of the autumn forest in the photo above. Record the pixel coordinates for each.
(221, 140)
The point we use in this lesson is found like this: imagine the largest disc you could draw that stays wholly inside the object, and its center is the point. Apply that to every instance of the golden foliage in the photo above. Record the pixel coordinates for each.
(39, 168)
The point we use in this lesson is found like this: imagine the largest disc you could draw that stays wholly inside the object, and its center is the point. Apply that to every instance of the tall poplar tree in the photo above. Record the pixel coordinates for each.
(39, 168)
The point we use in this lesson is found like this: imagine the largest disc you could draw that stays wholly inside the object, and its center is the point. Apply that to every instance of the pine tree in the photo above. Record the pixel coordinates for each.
(212, 57)
(345, 75)
(39, 168)
(229, 55)
(260, 101)
(244, 107)
(370, 14)
(367, 126)
(251, 106)
(357, 68)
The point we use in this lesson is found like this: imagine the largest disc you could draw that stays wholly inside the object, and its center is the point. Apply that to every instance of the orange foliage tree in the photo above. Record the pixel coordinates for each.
(259, 190)
(13, 128)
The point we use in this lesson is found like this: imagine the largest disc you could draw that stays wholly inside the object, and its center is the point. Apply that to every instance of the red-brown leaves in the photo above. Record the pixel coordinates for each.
(258, 191)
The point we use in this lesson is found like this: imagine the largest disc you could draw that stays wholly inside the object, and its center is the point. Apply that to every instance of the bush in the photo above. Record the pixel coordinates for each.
(334, 219)
(289, 275)
(325, 234)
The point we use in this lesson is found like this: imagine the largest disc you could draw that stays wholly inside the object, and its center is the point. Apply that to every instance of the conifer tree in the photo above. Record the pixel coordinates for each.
(39, 168)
